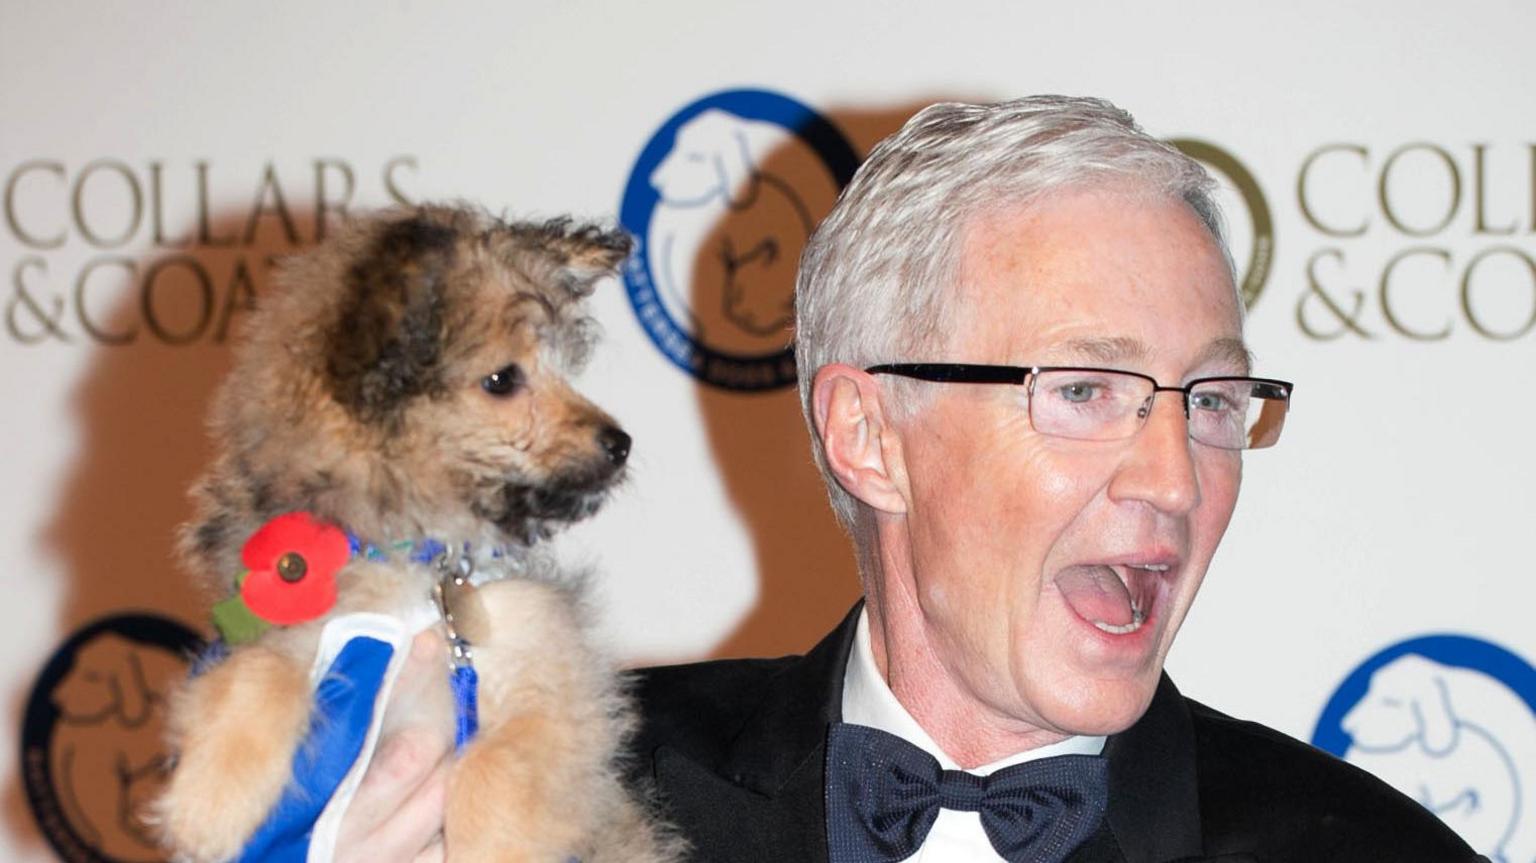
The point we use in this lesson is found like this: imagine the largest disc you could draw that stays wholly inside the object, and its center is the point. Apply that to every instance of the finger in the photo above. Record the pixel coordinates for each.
(431, 854)
(411, 830)
(427, 649)
(404, 762)
(400, 775)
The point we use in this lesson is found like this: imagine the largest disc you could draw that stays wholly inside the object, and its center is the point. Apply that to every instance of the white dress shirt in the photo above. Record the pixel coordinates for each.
(956, 837)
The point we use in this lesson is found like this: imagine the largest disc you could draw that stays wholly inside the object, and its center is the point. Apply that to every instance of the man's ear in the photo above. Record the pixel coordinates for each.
(862, 450)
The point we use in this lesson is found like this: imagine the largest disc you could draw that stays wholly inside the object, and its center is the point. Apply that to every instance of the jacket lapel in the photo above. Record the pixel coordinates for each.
(728, 823)
(1154, 801)
(764, 800)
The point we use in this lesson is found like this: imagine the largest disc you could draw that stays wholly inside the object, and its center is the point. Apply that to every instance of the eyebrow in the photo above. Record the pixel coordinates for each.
(1122, 349)
(1230, 352)
(1118, 349)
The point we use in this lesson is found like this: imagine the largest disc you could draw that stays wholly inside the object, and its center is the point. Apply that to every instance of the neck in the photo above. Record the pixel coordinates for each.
(906, 651)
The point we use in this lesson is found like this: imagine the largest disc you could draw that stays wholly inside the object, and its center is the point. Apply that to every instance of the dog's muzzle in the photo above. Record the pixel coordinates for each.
(533, 511)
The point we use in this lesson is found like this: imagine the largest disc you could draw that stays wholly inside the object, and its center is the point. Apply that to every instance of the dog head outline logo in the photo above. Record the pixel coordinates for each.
(1450, 721)
(92, 748)
(721, 201)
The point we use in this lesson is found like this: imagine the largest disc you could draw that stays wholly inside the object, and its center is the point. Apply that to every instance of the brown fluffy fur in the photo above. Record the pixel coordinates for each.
(359, 396)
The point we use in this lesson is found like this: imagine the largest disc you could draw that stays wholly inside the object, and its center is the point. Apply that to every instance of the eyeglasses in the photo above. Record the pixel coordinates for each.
(1231, 413)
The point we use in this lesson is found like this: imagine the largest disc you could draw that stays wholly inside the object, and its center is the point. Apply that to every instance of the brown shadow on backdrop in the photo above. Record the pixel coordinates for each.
(139, 409)
(741, 298)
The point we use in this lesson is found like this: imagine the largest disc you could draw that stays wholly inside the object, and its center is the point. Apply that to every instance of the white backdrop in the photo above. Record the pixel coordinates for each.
(156, 155)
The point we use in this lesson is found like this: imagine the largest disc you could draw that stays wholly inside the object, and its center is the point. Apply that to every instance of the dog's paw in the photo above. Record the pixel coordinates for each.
(207, 828)
(236, 729)
(517, 795)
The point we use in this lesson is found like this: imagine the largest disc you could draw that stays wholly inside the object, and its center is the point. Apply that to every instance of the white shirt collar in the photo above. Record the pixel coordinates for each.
(868, 700)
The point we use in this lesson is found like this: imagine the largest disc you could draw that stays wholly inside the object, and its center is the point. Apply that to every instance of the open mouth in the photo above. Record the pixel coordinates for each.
(1115, 598)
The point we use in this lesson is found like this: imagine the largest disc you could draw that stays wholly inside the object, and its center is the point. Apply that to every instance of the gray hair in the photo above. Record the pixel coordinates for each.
(874, 280)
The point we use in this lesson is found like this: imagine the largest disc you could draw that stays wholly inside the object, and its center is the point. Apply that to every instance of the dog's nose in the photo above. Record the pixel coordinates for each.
(615, 443)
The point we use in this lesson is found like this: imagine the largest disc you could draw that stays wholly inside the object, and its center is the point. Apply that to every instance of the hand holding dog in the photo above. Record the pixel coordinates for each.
(397, 814)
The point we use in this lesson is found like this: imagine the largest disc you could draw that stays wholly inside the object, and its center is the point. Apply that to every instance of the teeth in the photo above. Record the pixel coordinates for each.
(1150, 567)
(1138, 617)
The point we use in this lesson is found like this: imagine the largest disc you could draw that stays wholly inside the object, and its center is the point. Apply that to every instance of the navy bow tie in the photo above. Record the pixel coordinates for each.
(883, 795)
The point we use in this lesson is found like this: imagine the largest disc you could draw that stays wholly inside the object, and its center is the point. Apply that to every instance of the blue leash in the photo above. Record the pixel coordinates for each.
(462, 678)
(465, 683)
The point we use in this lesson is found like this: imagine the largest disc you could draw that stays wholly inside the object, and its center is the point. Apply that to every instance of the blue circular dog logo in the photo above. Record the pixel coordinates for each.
(721, 202)
(1450, 721)
(92, 741)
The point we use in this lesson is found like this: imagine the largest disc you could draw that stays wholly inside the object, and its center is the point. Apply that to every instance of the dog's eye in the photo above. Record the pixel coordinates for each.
(503, 382)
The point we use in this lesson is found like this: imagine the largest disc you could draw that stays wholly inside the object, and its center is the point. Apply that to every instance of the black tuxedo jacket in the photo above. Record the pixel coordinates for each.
(735, 751)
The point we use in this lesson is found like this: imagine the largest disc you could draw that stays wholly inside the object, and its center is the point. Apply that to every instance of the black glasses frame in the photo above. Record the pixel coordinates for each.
(974, 373)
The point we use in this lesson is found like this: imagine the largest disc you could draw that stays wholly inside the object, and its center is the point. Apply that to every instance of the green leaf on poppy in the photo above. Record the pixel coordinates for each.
(236, 622)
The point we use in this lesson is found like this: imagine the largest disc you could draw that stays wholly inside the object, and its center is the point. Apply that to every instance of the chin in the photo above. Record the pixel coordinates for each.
(1101, 707)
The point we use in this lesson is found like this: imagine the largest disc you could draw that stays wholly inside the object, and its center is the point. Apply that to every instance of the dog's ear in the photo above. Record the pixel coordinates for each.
(89, 691)
(386, 345)
(134, 694)
(1436, 718)
(582, 253)
(738, 173)
(107, 680)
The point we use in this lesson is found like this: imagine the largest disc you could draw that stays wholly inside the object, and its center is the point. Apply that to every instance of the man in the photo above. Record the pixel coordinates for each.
(1022, 364)
(1030, 529)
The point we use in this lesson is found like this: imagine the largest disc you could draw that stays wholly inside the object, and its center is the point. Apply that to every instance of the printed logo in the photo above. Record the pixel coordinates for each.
(92, 748)
(1419, 240)
(1252, 242)
(114, 252)
(1451, 722)
(721, 202)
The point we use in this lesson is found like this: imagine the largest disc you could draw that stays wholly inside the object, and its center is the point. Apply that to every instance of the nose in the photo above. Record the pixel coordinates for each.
(1158, 467)
(615, 444)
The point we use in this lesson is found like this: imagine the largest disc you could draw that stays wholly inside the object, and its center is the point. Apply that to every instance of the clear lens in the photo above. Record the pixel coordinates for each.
(1228, 413)
(1218, 413)
(1237, 413)
(1087, 405)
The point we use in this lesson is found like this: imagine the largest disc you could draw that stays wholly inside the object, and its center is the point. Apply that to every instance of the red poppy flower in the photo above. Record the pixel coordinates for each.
(293, 561)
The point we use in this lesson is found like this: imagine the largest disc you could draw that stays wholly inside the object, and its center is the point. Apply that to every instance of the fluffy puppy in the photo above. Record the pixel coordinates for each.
(406, 383)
